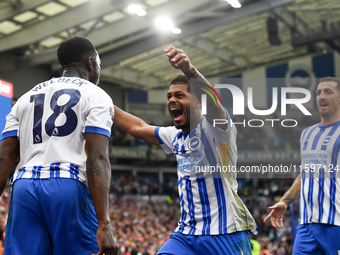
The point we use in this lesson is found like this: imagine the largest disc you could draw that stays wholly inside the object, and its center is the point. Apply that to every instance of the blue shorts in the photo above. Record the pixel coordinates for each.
(51, 216)
(237, 243)
(317, 239)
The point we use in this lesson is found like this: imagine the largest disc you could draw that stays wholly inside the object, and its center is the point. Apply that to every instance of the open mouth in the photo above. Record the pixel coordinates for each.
(323, 105)
(176, 114)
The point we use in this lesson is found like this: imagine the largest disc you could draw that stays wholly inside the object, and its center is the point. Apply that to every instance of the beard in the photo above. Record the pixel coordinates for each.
(189, 124)
(329, 113)
(185, 125)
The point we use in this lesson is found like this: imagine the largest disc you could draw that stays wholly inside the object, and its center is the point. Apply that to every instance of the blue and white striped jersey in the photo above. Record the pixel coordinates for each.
(320, 183)
(209, 203)
(50, 122)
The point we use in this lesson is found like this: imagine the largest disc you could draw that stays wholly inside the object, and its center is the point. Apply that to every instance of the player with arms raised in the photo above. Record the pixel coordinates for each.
(213, 220)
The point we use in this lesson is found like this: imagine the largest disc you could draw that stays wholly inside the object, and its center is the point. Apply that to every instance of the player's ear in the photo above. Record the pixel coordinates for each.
(89, 64)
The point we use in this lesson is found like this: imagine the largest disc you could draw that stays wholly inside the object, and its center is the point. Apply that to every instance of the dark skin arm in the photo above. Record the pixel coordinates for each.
(135, 126)
(9, 153)
(179, 60)
(279, 209)
(98, 171)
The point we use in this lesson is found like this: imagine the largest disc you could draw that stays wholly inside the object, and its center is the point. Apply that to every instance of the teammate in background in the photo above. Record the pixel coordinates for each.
(318, 183)
(213, 220)
(59, 201)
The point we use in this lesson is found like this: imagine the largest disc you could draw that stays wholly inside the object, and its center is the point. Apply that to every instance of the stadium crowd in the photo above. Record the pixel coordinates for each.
(144, 213)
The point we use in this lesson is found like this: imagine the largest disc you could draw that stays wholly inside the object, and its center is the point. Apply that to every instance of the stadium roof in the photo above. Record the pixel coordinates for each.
(221, 40)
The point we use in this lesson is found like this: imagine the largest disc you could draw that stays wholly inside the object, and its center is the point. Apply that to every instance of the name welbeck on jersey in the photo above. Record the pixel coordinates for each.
(78, 82)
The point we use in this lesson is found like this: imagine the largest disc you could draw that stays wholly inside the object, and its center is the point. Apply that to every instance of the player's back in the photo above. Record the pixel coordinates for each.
(51, 120)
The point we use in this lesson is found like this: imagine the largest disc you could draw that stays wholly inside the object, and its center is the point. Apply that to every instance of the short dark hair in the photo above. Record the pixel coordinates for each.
(180, 79)
(75, 50)
(329, 78)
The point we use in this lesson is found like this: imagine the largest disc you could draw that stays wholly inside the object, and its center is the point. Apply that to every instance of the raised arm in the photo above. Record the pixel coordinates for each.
(279, 209)
(179, 60)
(135, 126)
(98, 171)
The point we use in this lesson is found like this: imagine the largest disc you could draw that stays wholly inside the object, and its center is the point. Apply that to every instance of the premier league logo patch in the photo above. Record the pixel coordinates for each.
(112, 113)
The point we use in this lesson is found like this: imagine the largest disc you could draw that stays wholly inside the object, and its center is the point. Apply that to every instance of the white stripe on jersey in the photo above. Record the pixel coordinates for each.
(320, 183)
(208, 200)
(55, 170)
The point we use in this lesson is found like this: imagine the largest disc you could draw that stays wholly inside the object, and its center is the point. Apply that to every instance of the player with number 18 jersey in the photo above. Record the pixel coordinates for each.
(54, 113)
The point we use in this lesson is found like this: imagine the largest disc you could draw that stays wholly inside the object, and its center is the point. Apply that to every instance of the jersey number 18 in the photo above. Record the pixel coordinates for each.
(51, 130)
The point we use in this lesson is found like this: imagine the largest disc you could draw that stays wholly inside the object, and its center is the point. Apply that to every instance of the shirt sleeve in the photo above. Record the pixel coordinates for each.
(101, 114)
(165, 136)
(220, 135)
